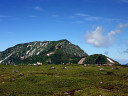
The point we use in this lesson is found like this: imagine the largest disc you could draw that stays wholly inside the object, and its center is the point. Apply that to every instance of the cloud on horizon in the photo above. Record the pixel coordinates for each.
(97, 39)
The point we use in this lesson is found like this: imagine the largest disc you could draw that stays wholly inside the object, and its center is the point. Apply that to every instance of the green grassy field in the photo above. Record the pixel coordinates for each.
(74, 80)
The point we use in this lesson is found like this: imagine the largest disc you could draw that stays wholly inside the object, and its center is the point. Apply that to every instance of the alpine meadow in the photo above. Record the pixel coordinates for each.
(63, 48)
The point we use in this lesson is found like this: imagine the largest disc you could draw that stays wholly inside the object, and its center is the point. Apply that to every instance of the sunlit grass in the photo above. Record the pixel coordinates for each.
(64, 80)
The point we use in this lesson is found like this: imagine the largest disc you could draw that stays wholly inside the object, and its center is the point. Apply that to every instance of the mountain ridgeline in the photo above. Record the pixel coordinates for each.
(47, 52)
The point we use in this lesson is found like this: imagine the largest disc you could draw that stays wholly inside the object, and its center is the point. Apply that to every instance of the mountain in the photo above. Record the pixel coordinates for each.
(99, 59)
(56, 52)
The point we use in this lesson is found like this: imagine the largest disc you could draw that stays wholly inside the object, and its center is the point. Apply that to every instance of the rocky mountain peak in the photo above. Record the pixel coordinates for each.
(38, 51)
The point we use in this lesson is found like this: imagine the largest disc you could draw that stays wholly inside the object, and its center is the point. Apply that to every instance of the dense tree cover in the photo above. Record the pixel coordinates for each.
(96, 59)
(61, 58)
(34, 59)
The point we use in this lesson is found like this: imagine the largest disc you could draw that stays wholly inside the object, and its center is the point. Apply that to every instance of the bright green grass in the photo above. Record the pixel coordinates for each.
(76, 80)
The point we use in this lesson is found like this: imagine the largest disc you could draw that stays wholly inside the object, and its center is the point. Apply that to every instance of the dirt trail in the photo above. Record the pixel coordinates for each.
(81, 61)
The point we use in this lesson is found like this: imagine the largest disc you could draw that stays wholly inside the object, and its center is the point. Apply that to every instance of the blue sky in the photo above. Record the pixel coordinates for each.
(97, 26)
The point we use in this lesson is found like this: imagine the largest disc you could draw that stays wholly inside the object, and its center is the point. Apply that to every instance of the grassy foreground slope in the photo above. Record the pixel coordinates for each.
(63, 80)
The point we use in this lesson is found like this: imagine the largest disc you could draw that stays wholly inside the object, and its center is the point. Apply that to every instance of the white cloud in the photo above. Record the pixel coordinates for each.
(111, 35)
(92, 18)
(123, 25)
(114, 32)
(38, 8)
(97, 39)
(81, 14)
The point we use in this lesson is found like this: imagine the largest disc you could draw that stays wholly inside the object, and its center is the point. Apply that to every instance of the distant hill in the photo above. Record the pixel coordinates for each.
(56, 52)
(99, 59)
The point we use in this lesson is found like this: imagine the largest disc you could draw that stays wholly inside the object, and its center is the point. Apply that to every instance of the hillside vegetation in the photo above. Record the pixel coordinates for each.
(99, 59)
(63, 80)
(45, 52)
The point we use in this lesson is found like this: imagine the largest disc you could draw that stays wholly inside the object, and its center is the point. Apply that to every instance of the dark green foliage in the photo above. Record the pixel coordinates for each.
(96, 59)
(35, 59)
(57, 57)
(61, 58)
